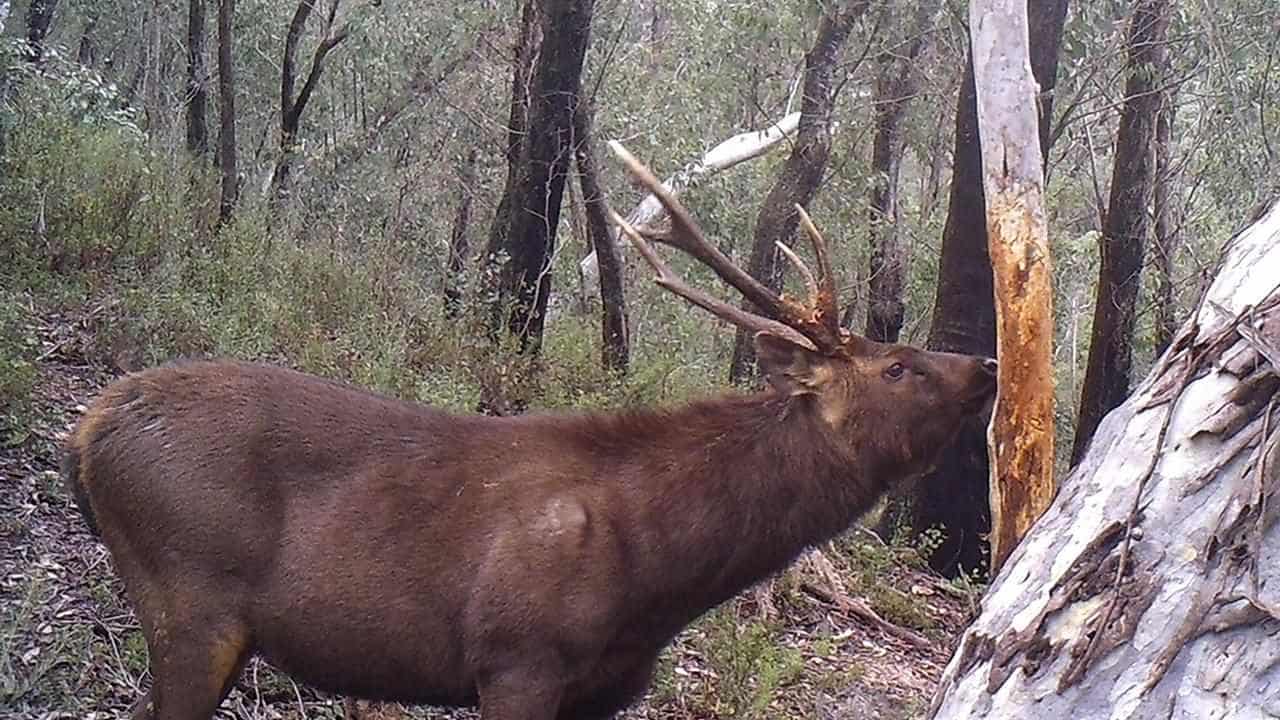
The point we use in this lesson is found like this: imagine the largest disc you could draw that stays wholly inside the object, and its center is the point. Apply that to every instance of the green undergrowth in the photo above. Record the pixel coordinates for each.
(101, 228)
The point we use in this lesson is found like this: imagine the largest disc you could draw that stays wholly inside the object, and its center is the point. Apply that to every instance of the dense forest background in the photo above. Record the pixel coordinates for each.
(337, 185)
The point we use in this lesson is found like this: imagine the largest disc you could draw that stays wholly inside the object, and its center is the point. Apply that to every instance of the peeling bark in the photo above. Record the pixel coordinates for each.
(1151, 587)
(1020, 438)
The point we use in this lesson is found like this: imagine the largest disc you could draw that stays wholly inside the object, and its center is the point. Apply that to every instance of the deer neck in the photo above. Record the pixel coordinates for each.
(758, 482)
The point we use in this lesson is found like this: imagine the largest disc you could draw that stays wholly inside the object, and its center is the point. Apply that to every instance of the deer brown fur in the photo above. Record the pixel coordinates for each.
(533, 565)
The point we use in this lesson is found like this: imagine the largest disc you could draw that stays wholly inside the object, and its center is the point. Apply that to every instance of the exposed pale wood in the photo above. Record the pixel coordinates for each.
(1151, 587)
(1020, 438)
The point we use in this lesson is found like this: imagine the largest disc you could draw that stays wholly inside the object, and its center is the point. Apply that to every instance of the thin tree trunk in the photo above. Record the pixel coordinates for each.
(896, 83)
(39, 19)
(227, 114)
(87, 50)
(460, 238)
(1166, 236)
(798, 181)
(291, 106)
(533, 204)
(1151, 587)
(197, 80)
(956, 496)
(616, 349)
(526, 53)
(1020, 440)
(1110, 365)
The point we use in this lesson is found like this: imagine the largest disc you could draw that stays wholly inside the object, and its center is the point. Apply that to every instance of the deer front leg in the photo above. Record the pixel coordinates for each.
(521, 693)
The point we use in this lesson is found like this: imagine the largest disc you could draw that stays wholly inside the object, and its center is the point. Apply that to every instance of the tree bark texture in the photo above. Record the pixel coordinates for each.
(1125, 228)
(1151, 587)
(1020, 437)
(291, 105)
(956, 496)
(896, 83)
(230, 189)
(197, 80)
(1166, 235)
(798, 181)
(532, 203)
(616, 347)
(460, 238)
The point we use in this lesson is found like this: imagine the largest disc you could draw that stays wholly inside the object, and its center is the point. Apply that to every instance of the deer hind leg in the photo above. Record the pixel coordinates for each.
(195, 660)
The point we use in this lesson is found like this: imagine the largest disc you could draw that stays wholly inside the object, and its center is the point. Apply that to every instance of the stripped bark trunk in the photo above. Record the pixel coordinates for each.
(956, 496)
(1125, 228)
(798, 181)
(1020, 438)
(1151, 587)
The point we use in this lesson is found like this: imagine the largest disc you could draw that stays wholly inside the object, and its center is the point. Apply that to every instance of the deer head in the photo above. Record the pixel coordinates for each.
(909, 401)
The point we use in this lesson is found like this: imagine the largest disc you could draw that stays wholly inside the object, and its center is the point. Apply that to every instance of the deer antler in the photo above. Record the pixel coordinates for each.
(815, 326)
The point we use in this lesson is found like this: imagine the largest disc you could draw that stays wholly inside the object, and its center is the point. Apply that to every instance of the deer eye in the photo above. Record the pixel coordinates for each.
(895, 371)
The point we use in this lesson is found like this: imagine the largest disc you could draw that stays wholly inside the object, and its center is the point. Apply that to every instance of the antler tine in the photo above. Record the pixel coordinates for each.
(809, 281)
(687, 236)
(719, 308)
(825, 300)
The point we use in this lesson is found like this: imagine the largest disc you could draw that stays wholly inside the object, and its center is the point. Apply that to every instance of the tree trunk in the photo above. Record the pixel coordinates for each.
(1151, 587)
(197, 80)
(528, 215)
(39, 18)
(956, 496)
(802, 172)
(87, 50)
(291, 106)
(896, 83)
(1166, 236)
(459, 238)
(227, 114)
(1124, 231)
(616, 349)
(1020, 439)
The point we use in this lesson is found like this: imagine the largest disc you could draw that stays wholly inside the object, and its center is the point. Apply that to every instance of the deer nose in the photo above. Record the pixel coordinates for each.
(989, 366)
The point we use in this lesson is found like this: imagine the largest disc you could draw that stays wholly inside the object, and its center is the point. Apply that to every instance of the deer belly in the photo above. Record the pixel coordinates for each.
(354, 647)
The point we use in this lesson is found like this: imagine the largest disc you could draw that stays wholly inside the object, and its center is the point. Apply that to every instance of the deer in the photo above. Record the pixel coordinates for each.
(534, 566)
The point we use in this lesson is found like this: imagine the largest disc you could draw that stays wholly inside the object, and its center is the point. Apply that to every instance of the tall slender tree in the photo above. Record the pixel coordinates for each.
(800, 176)
(1126, 225)
(230, 186)
(292, 104)
(616, 346)
(197, 98)
(896, 83)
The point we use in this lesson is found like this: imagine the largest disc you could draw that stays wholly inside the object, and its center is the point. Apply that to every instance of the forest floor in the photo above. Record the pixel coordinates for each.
(860, 631)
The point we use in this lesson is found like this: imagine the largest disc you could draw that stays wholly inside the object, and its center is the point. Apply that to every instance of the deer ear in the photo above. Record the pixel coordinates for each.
(790, 368)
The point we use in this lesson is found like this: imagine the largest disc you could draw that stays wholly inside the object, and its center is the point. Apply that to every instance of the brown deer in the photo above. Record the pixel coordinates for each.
(532, 565)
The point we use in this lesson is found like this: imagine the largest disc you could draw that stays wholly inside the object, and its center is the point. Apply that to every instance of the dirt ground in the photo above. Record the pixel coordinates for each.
(810, 645)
